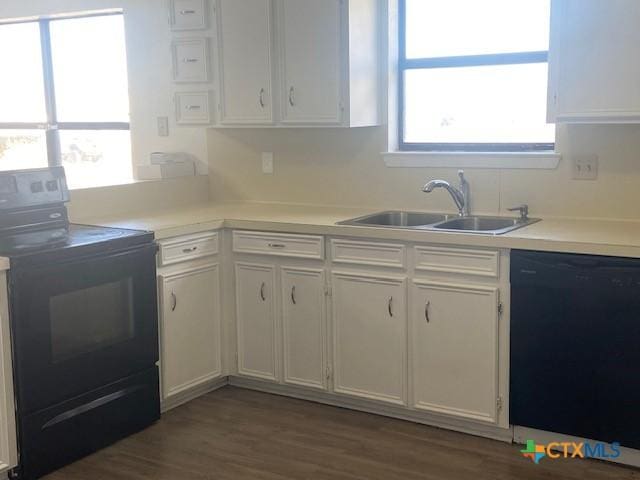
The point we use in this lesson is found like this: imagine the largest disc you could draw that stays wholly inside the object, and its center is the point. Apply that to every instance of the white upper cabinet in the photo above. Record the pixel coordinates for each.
(594, 62)
(244, 50)
(310, 61)
(322, 56)
(454, 334)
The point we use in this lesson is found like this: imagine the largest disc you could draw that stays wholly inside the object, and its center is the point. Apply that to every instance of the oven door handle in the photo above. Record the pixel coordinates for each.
(87, 407)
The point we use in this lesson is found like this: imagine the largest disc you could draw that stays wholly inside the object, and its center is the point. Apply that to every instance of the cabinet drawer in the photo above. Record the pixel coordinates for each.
(368, 253)
(283, 245)
(484, 263)
(181, 249)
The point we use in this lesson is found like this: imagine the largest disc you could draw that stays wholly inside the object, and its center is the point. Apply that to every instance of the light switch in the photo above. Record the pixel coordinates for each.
(585, 167)
(267, 163)
(163, 126)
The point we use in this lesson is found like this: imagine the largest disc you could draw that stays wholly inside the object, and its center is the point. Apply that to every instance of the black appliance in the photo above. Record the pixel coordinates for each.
(83, 307)
(575, 345)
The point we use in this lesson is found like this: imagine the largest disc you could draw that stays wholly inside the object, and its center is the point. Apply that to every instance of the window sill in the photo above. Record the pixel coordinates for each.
(495, 160)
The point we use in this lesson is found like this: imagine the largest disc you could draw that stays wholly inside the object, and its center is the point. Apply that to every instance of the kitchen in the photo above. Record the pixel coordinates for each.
(356, 276)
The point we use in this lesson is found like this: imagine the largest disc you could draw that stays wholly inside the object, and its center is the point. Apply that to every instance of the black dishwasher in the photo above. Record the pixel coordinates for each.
(575, 345)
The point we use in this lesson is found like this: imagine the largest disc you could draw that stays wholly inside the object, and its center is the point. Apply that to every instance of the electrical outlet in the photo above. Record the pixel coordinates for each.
(267, 163)
(585, 167)
(163, 126)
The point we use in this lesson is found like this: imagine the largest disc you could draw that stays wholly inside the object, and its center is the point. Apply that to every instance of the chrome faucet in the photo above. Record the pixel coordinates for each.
(461, 196)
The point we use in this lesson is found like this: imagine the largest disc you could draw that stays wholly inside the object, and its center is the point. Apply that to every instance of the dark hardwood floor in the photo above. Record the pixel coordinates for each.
(238, 434)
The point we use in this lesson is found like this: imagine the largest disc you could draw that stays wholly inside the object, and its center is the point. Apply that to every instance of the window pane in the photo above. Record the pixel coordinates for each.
(21, 84)
(443, 28)
(94, 158)
(494, 104)
(22, 149)
(90, 69)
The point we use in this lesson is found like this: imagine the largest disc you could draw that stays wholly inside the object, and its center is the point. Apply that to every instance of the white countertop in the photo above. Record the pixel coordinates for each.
(598, 237)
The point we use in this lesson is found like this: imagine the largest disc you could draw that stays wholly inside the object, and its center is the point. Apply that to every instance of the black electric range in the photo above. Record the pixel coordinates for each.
(84, 325)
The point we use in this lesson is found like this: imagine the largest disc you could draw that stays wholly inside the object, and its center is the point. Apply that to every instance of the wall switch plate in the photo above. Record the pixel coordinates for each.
(585, 167)
(163, 126)
(267, 163)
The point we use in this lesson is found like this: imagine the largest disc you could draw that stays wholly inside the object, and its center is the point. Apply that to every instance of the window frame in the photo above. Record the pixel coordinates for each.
(405, 64)
(52, 126)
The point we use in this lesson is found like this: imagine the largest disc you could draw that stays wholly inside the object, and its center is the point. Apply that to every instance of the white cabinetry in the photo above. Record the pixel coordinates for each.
(369, 328)
(594, 65)
(454, 332)
(191, 344)
(256, 317)
(244, 50)
(323, 57)
(281, 308)
(190, 329)
(304, 326)
(311, 61)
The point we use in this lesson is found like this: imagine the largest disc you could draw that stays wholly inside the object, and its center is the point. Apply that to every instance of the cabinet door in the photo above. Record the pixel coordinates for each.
(244, 42)
(454, 330)
(303, 327)
(190, 329)
(369, 328)
(594, 62)
(8, 438)
(255, 310)
(310, 39)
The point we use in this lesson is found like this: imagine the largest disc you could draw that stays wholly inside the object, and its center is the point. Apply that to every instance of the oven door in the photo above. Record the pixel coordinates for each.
(83, 323)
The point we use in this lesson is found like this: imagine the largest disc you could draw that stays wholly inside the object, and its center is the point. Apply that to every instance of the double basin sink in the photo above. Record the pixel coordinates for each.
(441, 222)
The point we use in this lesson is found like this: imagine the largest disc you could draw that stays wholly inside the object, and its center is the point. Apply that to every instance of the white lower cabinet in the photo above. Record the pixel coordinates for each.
(369, 335)
(304, 327)
(190, 329)
(455, 346)
(256, 318)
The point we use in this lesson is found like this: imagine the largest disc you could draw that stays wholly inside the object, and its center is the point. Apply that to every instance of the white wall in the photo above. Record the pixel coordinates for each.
(344, 167)
(149, 61)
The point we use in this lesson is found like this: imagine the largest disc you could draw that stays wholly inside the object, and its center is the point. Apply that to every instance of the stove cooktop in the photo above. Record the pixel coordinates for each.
(63, 240)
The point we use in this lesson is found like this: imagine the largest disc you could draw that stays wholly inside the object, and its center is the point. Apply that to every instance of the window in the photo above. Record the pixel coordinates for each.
(473, 75)
(64, 98)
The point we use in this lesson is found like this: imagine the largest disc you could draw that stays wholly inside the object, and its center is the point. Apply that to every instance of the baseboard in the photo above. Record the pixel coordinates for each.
(488, 431)
(628, 456)
(193, 393)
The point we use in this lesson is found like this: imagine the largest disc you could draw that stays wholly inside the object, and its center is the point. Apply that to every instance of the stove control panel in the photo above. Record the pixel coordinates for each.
(32, 188)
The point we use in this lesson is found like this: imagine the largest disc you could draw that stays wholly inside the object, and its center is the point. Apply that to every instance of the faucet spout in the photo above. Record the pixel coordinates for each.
(460, 196)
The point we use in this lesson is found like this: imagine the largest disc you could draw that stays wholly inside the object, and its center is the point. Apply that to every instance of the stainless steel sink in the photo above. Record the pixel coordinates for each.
(440, 222)
(398, 219)
(491, 225)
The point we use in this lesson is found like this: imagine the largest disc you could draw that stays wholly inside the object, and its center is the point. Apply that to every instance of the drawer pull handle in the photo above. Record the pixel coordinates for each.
(426, 312)
(189, 250)
(194, 107)
(293, 295)
(187, 12)
(390, 305)
(174, 301)
(277, 245)
(190, 60)
(262, 295)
